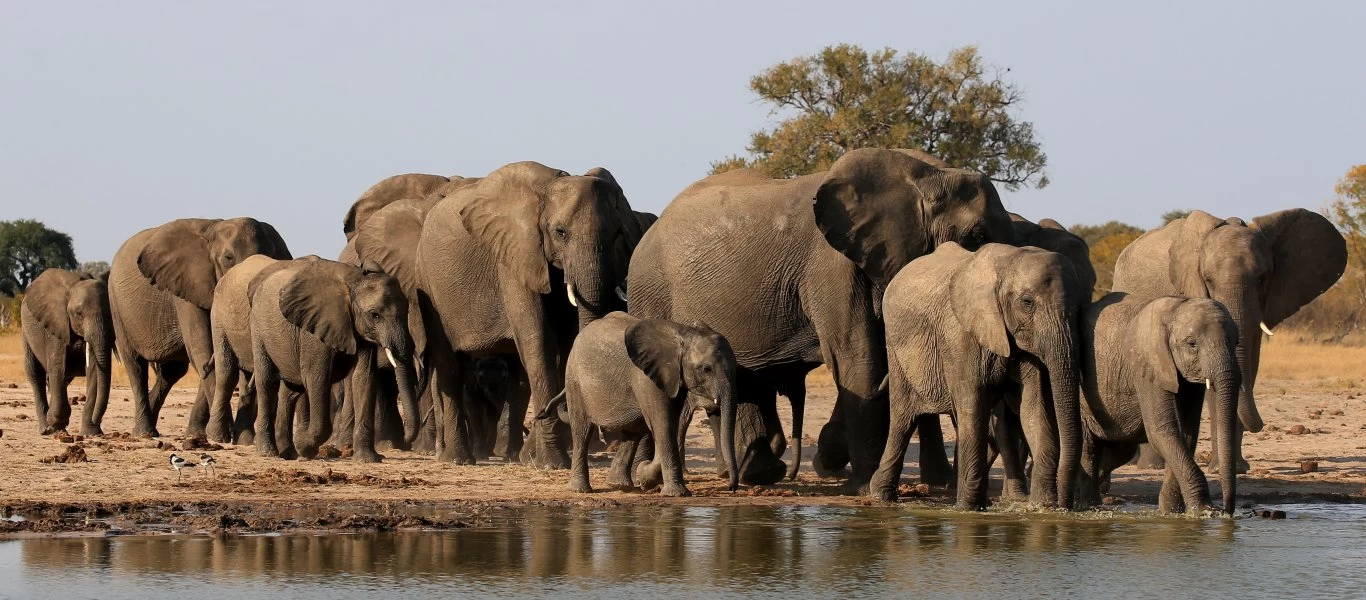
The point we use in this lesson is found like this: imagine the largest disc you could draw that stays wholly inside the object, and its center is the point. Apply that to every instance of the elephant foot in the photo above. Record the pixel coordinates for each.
(367, 456)
(48, 429)
(884, 494)
(937, 472)
(831, 457)
(143, 431)
(649, 476)
(1014, 491)
(91, 431)
(267, 450)
(219, 435)
(619, 481)
(580, 487)
(289, 454)
(452, 455)
(245, 438)
(969, 506)
(767, 475)
(858, 486)
(550, 463)
(1243, 466)
(1044, 500)
(674, 491)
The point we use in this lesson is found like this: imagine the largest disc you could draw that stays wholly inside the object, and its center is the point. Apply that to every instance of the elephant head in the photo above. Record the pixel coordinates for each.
(695, 361)
(353, 310)
(1027, 300)
(884, 208)
(1192, 340)
(1263, 273)
(1052, 236)
(186, 257)
(389, 241)
(388, 191)
(533, 218)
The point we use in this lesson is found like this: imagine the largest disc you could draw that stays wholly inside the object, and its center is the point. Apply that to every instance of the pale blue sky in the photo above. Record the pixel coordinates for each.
(117, 116)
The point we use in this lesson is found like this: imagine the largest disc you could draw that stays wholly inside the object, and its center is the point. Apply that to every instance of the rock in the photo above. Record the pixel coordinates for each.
(918, 490)
(1337, 412)
(11, 385)
(64, 437)
(1297, 429)
(329, 451)
(1271, 514)
(24, 417)
(1309, 466)
(74, 454)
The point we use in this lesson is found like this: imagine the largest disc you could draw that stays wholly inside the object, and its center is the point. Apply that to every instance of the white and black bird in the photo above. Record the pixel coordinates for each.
(179, 463)
(208, 462)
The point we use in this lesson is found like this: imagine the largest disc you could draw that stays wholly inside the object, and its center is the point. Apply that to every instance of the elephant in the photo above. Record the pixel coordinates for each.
(1147, 365)
(410, 186)
(958, 323)
(516, 263)
(791, 272)
(161, 288)
(315, 322)
(67, 331)
(1261, 271)
(633, 376)
(230, 321)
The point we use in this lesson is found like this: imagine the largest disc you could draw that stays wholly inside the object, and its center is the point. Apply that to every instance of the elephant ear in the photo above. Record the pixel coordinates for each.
(1148, 343)
(503, 212)
(272, 244)
(646, 220)
(1183, 258)
(1308, 255)
(317, 301)
(656, 348)
(46, 298)
(389, 241)
(176, 260)
(974, 290)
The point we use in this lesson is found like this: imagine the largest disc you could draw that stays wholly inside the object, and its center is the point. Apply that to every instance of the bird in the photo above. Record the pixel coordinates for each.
(208, 462)
(179, 463)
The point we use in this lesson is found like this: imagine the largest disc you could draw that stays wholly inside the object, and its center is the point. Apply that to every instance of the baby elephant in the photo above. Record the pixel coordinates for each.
(635, 376)
(67, 332)
(1149, 364)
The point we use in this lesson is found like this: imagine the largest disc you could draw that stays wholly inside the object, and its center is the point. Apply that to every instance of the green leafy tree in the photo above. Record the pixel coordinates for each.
(27, 248)
(1104, 255)
(960, 110)
(1348, 211)
(1174, 214)
(1093, 234)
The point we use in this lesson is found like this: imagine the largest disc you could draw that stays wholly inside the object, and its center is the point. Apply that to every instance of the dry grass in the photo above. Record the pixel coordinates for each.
(1288, 356)
(12, 365)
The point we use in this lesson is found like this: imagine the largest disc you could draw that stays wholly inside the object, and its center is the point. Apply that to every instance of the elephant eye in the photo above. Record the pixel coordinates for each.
(1027, 304)
(560, 232)
(374, 314)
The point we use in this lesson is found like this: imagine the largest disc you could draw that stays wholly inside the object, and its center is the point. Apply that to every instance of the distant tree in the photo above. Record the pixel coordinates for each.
(844, 98)
(1174, 214)
(1105, 253)
(1093, 234)
(94, 267)
(1348, 211)
(27, 248)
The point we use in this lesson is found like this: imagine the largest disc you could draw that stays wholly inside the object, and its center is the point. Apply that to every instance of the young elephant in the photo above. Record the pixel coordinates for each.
(67, 332)
(230, 326)
(634, 376)
(959, 325)
(317, 322)
(1148, 366)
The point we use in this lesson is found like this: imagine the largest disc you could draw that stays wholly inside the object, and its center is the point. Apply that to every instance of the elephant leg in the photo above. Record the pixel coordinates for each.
(511, 426)
(344, 415)
(756, 411)
(220, 407)
(1007, 433)
(268, 386)
(935, 468)
(1184, 486)
(243, 426)
(198, 419)
(59, 406)
(1149, 458)
(285, 412)
(663, 422)
(446, 379)
(167, 374)
(37, 380)
(645, 471)
(1088, 490)
(832, 449)
(623, 462)
(902, 423)
(797, 397)
(1041, 433)
(388, 422)
(973, 412)
(579, 431)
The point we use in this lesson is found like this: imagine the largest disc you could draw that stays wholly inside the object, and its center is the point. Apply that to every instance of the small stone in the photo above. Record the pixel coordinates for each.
(11, 385)
(1273, 428)
(24, 417)
(1297, 429)
(1309, 466)
(919, 490)
(1271, 514)
(1337, 412)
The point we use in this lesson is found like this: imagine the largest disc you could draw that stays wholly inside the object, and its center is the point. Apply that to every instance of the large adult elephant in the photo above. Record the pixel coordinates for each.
(160, 292)
(791, 272)
(67, 331)
(1262, 271)
(516, 263)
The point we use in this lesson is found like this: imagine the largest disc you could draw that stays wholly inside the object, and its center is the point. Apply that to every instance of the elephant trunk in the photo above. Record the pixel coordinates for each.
(591, 291)
(726, 404)
(1227, 384)
(99, 340)
(405, 375)
(1246, 312)
(1061, 362)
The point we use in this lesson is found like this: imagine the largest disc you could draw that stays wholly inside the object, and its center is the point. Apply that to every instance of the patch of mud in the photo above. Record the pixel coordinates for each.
(293, 477)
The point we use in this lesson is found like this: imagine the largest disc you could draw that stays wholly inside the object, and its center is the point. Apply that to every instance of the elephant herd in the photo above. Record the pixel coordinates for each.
(459, 303)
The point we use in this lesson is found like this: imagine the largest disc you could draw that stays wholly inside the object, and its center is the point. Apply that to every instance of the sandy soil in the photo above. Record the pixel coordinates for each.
(120, 471)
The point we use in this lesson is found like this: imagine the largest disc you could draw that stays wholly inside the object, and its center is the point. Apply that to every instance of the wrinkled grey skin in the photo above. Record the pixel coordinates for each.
(315, 323)
(161, 288)
(410, 186)
(634, 376)
(230, 320)
(1147, 366)
(791, 272)
(958, 323)
(67, 331)
(1261, 271)
(496, 261)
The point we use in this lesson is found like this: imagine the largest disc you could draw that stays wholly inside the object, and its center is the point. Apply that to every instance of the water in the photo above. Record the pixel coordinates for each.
(740, 552)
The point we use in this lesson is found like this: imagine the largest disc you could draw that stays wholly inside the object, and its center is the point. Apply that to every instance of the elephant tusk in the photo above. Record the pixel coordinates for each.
(390, 353)
(569, 289)
(1207, 383)
(621, 294)
(89, 352)
(1266, 330)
